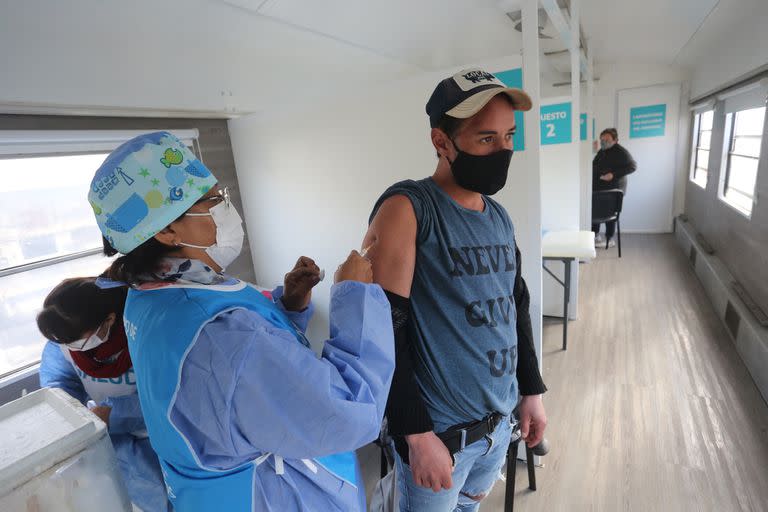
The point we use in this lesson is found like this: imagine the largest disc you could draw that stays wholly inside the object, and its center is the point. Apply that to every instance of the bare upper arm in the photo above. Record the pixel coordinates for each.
(392, 241)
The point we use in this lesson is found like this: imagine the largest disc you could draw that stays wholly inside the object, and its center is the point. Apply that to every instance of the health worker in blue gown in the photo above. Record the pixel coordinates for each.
(243, 415)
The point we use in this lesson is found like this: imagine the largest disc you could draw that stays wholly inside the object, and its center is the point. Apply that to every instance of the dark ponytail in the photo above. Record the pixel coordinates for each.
(137, 264)
(77, 306)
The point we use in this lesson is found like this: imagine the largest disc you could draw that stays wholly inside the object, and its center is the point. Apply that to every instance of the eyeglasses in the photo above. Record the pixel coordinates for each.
(221, 195)
(91, 341)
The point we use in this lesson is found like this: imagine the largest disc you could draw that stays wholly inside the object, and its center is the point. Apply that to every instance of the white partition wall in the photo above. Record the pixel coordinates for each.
(561, 196)
(560, 172)
(648, 119)
(561, 156)
(310, 176)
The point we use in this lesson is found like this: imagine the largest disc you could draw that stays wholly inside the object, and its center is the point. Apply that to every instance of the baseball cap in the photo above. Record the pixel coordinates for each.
(143, 186)
(467, 92)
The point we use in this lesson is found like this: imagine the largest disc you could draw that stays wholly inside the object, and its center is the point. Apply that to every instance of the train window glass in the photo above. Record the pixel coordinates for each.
(702, 145)
(743, 140)
(44, 214)
(47, 233)
(47, 229)
(21, 298)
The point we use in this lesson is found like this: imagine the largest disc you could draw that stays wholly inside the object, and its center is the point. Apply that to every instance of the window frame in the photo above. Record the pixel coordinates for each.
(32, 265)
(21, 143)
(47, 262)
(729, 143)
(696, 148)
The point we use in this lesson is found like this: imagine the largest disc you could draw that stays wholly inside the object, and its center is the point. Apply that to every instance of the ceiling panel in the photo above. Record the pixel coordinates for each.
(727, 18)
(247, 55)
(251, 5)
(642, 30)
(432, 34)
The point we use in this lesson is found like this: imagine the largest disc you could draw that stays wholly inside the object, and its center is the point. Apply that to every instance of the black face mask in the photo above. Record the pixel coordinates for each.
(486, 174)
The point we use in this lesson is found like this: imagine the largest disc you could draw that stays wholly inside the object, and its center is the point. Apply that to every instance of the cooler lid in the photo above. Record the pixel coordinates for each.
(40, 430)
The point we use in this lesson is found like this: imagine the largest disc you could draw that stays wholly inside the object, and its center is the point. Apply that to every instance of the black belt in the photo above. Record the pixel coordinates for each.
(459, 437)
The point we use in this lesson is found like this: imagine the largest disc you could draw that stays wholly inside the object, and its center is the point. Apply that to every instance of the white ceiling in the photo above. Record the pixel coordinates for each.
(435, 34)
(641, 30)
(230, 57)
(731, 43)
(430, 34)
(726, 20)
(170, 56)
(236, 56)
(427, 34)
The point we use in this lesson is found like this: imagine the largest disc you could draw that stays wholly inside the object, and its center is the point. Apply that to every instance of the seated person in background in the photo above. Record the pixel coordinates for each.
(88, 358)
(610, 168)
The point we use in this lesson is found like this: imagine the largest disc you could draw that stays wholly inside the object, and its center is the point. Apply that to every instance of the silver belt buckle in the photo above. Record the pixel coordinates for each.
(463, 440)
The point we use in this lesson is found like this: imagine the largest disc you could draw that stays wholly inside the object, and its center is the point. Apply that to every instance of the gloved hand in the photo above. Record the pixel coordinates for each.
(298, 284)
(356, 268)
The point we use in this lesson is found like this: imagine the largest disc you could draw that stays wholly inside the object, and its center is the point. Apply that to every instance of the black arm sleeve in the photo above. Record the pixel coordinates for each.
(528, 374)
(406, 411)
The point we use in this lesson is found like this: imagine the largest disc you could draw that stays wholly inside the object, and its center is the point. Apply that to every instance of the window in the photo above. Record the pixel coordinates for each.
(743, 138)
(21, 298)
(47, 233)
(702, 146)
(742, 141)
(47, 229)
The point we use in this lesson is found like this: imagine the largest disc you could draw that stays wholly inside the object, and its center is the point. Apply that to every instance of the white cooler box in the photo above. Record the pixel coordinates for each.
(56, 456)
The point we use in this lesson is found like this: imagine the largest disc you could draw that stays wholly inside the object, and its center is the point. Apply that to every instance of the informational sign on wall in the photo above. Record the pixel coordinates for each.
(647, 121)
(514, 78)
(556, 123)
(583, 126)
(594, 133)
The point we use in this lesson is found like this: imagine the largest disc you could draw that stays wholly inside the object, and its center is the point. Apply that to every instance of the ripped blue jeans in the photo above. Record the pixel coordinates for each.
(474, 474)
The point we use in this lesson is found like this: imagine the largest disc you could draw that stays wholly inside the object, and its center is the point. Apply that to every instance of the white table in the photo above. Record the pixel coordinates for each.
(566, 246)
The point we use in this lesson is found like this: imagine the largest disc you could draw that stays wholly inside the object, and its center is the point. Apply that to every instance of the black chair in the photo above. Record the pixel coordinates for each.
(540, 449)
(606, 207)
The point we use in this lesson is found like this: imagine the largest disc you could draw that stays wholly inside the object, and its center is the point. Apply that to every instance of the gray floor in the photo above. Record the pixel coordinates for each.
(650, 408)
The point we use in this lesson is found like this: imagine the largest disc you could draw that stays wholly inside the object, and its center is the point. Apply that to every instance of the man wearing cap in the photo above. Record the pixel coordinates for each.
(445, 253)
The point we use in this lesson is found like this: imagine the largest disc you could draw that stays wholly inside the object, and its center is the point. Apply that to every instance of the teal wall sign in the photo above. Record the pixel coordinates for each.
(583, 126)
(514, 78)
(556, 123)
(648, 121)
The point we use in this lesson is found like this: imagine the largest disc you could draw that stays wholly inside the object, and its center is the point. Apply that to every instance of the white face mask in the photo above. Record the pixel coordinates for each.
(89, 343)
(229, 234)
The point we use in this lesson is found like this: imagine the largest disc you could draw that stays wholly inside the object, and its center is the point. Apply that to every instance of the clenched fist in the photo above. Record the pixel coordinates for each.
(298, 284)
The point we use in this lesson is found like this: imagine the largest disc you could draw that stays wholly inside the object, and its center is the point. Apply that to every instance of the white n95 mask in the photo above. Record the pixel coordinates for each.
(229, 234)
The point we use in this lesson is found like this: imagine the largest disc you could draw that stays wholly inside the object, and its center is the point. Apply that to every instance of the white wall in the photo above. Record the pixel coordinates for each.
(560, 182)
(731, 43)
(649, 204)
(615, 77)
(310, 176)
(560, 210)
